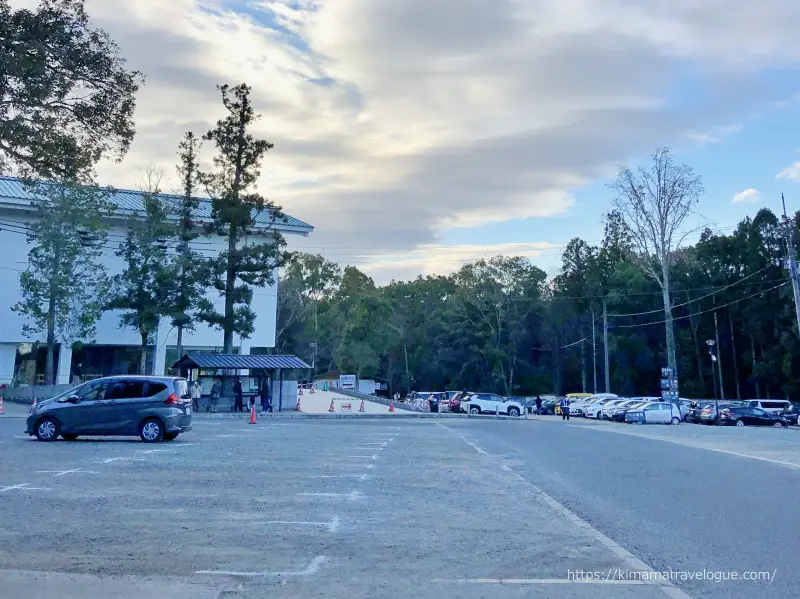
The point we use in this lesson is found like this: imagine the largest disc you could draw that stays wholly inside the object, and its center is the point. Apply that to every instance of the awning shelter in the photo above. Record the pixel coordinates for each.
(247, 362)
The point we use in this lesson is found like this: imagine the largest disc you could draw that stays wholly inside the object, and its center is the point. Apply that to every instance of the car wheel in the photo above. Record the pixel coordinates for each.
(47, 429)
(676, 420)
(778, 425)
(170, 436)
(151, 431)
(69, 436)
(513, 412)
(474, 410)
(739, 423)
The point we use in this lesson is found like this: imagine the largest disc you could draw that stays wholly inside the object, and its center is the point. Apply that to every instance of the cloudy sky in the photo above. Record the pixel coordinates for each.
(416, 135)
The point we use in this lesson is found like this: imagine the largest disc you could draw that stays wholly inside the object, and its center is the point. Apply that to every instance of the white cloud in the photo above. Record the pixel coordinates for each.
(791, 172)
(395, 119)
(748, 196)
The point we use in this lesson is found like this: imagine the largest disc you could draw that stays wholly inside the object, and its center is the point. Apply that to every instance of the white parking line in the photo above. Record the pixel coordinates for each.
(332, 526)
(57, 473)
(13, 487)
(312, 568)
(361, 477)
(349, 496)
(630, 560)
(123, 458)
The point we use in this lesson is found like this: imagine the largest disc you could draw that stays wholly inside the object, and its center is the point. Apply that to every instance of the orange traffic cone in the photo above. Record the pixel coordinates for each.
(253, 417)
(361, 409)
(331, 409)
(300, 391)
(34, 403)
(312, 389)
(298, 405)
(391, 407)
(2, 409)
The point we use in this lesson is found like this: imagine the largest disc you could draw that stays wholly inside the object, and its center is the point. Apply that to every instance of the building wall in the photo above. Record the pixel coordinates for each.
(14, 259)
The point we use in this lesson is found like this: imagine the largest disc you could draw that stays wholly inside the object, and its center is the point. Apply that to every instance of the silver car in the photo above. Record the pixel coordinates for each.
(154, 408)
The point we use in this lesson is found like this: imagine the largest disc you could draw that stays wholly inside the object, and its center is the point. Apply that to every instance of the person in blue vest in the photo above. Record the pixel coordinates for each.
(564, 405)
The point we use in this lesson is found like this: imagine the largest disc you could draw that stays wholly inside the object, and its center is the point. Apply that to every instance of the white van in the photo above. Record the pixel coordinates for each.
(774, 406)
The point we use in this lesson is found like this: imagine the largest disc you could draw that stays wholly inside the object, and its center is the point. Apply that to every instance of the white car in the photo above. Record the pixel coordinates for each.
(489, 403)
(601, 408)
(579, 408)
(656, 412)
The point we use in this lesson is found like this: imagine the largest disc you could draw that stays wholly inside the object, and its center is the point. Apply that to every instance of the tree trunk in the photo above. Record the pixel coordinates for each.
(719, 354)
(49, 368)
(179, 348)
(735, 360)
(143, 358)
(583, 360)
(230, 286)
(557, 359)
(755, 376)
(695, 324)
(605, 346)
(408, 374)
(672, 361)
(594, 354)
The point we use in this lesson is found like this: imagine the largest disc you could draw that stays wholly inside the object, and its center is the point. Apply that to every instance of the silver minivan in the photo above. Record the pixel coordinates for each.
(773, 406)
(152, 407)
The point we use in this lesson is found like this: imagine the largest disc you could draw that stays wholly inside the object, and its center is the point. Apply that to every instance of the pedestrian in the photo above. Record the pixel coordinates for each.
(196, 392)
(238, 406)
(266, 396)
(564, 405)
(216, 391)
(538, 406)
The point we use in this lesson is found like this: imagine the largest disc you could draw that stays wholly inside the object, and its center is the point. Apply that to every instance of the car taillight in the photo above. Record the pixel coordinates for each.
(172, 399)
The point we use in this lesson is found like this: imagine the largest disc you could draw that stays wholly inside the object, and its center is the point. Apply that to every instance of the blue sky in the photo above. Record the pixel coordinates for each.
(416, 137)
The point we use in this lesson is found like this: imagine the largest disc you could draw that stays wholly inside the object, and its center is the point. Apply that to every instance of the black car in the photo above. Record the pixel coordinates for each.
(750, 417)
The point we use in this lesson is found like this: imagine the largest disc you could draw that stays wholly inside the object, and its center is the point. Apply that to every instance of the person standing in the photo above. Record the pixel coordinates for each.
(538, 406)
(238, 406)
(216, 391)
(564, 405)
(196, 392)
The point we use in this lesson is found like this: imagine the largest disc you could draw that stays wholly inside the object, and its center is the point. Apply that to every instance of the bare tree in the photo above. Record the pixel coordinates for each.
(654, 203)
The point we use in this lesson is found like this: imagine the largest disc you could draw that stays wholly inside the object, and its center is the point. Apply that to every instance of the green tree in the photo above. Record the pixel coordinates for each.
(66, 97)
(189, 268)
(238, 211)
(63, 286)
(142, 291)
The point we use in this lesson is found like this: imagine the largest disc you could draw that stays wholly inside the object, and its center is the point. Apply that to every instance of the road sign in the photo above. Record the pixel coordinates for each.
(347, 381)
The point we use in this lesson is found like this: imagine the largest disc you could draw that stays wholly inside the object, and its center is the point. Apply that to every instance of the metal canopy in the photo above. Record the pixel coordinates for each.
(239, 362)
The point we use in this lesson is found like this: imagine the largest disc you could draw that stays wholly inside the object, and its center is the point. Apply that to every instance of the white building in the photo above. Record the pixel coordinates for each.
(113, 350)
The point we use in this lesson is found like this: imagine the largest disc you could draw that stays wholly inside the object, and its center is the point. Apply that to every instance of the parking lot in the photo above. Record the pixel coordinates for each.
(288, 509)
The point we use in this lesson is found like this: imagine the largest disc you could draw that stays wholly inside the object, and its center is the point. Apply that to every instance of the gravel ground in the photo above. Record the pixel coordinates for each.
(383, 509)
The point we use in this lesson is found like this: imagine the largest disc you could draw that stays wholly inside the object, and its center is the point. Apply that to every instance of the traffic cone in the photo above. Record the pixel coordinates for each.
(300, 392)
(253, 417)
(2, 409)
(391, 407)
(298, 405)
(361, 409)
(33, 405)
(312, 389)
(331, 409)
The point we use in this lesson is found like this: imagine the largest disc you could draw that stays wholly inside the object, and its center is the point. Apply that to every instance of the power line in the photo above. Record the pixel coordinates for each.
(647, 324)
(697, 299)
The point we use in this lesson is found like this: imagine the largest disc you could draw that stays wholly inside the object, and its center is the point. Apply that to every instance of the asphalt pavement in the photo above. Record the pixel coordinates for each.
(389, 508)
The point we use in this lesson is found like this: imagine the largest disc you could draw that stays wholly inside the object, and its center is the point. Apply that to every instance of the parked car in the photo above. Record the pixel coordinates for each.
(618, 415)
(751, 417)
(775, 406)
(596, 409)
(489, 403)
(708, 415)
(657, 412)
(154, 408)
(579, 408)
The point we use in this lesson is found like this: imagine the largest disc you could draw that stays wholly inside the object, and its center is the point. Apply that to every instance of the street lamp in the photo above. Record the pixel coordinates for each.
(711, 343)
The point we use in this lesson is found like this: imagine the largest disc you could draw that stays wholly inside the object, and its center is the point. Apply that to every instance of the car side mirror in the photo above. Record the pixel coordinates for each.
(73, 399)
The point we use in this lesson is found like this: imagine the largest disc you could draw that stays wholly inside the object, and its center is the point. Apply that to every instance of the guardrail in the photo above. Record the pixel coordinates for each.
(367, 397)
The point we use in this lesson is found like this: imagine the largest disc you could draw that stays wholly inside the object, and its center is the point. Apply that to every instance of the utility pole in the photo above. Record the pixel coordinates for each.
(719, 353)
(791, 259)
(605, 346)
(594, 354)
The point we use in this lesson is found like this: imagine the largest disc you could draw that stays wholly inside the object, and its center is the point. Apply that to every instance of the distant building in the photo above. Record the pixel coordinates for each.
(114, 350)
